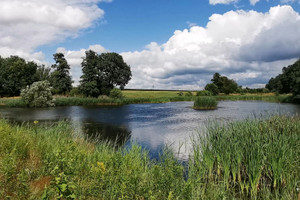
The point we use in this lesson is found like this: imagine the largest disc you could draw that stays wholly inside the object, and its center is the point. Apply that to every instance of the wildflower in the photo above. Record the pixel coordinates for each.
(36, 122)
(101, 165)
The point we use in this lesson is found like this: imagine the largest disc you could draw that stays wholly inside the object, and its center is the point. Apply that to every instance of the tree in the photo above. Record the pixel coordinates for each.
(89, 83)
(15, 74)
(288, 81)
(43, 73)
(211, 87)
(101, 73)
(60, 79)
(224, 84)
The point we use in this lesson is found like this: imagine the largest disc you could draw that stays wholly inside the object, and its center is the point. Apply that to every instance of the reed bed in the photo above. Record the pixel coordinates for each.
(252, 159)
(205, 103)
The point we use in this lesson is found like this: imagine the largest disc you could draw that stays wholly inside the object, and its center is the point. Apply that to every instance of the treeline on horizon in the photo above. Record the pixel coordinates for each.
(103, 72)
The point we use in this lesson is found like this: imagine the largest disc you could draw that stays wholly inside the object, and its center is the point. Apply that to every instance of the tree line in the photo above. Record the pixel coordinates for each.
(100, 74)
(288, 81)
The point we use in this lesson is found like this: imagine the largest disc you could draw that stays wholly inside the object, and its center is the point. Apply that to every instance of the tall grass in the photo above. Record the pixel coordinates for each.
(243, 160)
(249, 159)
(205, 103)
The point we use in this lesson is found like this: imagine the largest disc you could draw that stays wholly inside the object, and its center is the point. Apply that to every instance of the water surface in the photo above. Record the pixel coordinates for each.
(151, 125)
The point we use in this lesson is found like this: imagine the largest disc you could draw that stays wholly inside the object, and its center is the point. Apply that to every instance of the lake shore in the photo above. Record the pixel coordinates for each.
(244, 160)
(139, 97)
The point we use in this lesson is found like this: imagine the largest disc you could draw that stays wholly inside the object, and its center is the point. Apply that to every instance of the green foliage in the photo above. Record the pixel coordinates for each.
(116, 94)
(224, 84)
(60, 78)
(204, 93)
(252, 159)
(213, 88)
(205, 103)
(38, 95)
(75, 91)
(101, 73)
(15, 74)
(288, 81)
(188, 94)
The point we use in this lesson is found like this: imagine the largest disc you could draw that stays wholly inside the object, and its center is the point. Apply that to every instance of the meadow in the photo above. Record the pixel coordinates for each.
(142, 96)
(251, 159)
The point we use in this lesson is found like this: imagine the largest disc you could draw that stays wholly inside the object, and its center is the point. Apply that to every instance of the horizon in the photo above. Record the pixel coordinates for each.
(170, 45)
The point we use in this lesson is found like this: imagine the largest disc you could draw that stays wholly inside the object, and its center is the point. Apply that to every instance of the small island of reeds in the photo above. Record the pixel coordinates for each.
(205, 103)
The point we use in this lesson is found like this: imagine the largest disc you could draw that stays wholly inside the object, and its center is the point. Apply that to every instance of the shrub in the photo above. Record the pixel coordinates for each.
(38, 95)
(75, 92)
(180, 94)
(204, 93)
(205, 103)
(116, 93)
(188, 94)
(213, 88)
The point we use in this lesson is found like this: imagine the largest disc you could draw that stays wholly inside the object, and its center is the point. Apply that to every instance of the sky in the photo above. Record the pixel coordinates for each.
(169, 44)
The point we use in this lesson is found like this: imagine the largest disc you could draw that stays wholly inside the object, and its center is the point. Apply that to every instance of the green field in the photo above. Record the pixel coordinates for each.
(251, 159)
(142, 96)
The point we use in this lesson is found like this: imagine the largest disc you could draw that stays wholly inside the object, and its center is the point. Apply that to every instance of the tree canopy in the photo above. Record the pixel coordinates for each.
(15, 74)
(60, 78)
(103, 72)
(223, 84)
(288, 81)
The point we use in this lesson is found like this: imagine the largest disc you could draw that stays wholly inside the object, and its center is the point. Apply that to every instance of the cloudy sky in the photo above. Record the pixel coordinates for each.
(169, 44)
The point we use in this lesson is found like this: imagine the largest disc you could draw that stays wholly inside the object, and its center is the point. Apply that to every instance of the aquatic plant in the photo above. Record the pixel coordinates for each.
(205, 103)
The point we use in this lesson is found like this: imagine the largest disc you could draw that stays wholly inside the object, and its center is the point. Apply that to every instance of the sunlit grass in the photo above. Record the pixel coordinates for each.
(205, 103)
(252, 159)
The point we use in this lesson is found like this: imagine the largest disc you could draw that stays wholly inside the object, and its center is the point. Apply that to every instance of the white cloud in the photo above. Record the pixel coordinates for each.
(249, 46)
(26, 25)
(253, 2)
(214, 2)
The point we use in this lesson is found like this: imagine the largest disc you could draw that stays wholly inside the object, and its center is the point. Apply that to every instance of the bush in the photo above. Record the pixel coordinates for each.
(75, 92)
(116, 93)
(213, 88)
(205, 103)
(188, 94)
(204, 93)
(180, 94)
(38, 95)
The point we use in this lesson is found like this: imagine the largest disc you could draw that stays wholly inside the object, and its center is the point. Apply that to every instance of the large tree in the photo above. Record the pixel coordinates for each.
(61, 80)
(224, 84)
(15, 74)
(288, 81)
(103, 72)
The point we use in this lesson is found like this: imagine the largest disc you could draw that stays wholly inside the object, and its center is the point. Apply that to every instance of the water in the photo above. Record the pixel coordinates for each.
(151, 125)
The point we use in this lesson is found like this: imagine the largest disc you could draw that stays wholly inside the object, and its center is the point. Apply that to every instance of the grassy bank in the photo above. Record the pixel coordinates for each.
(244, 160)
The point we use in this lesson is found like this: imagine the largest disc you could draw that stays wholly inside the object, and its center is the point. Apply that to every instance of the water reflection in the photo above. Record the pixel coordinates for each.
(151, 125)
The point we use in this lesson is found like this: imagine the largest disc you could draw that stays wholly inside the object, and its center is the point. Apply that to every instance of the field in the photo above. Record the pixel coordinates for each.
(142, 96)
(251, 159)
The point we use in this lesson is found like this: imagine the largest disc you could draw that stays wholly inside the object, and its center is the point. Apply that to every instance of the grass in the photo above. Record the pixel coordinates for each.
(139, 96)
(242, 160)
(205, 103)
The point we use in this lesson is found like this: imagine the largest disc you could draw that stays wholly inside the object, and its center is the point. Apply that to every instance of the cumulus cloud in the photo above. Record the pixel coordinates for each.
(247, 46)
(26, 25)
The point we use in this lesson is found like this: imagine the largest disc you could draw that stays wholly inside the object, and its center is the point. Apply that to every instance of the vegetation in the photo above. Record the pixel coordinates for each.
(288, 81)
(251, 159)
(212, 88)
(38, 95)
(61, 80)
(205, 103)
(116, 94)
(223, 84)
(16, 74)
(204, 93)
(101, 73)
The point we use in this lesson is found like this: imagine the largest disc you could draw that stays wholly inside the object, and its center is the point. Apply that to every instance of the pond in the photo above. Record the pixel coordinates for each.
(151, 125)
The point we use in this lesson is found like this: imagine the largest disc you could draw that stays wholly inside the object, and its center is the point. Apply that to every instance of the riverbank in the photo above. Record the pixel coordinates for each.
(138, 97)
(244, 160)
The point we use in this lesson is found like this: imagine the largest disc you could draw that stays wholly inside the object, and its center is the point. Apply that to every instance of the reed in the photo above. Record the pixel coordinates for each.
(205, 103)
(252, 159)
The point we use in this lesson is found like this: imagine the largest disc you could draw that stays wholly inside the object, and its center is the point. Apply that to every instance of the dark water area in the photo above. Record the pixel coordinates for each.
(153, 126)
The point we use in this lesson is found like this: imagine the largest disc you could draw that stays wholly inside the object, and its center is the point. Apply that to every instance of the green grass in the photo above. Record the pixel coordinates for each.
(205, 103)
(243, 160)
(136, 97)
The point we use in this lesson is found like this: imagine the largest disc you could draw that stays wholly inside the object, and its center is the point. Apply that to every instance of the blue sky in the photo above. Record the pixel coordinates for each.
(168, 43)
